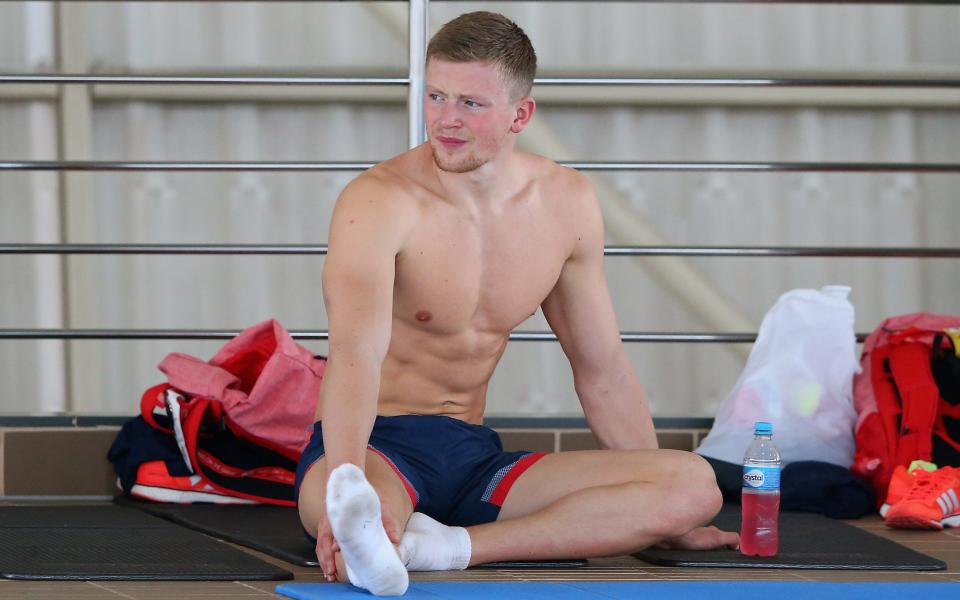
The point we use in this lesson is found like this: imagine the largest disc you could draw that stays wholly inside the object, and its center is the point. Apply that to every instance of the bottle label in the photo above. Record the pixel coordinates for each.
(761, 478)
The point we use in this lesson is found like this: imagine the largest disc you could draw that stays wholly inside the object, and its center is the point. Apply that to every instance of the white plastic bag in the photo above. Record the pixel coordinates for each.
(799, 377)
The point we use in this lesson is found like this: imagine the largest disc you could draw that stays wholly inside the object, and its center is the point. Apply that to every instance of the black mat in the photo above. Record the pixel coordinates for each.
(116, 543)
(807, 541)
(565, 563)
(276, 530)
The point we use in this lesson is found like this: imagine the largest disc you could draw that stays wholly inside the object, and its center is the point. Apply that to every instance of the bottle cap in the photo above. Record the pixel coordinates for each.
(763, 428)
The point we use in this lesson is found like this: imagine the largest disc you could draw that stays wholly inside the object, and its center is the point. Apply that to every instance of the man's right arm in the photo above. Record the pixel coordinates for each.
(366, 234)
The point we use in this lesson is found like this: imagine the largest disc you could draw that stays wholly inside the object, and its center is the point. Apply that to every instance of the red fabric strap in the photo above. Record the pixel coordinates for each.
(910, 366)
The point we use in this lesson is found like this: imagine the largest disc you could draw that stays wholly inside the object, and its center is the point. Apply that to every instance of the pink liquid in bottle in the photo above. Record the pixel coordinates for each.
(760, 531)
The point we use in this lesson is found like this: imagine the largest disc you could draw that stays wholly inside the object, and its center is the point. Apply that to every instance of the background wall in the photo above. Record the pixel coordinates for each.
(143, 292)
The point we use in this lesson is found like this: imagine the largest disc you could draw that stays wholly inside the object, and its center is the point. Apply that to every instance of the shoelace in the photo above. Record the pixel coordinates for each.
(929, 485)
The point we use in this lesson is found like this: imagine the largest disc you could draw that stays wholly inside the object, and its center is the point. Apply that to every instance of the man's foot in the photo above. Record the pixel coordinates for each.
(428, 545)
(353, 509)
(703, 538)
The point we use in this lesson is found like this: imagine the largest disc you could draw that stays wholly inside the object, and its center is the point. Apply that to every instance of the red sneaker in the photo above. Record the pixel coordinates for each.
(932, 502)
(154, 482)
(902, 480)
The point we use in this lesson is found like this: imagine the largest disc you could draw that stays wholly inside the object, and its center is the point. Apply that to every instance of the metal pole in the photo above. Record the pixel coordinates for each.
(748, 82)
(418, 35)
(312, 249)
(837, 167)
(196, 79)
(115, 165)
(220, 334)
(419, 24)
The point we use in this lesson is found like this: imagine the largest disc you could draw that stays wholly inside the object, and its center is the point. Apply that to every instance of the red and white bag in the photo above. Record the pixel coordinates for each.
(242, 419)
(267, 383)
(908, 396)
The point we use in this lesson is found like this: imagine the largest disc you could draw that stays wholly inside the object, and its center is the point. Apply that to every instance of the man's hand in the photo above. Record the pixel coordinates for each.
(702, 538)
(326, 548)
(327, 545)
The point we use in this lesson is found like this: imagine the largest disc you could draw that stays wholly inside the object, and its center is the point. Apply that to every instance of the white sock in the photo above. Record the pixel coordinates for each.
(353, 509)
(428, 545)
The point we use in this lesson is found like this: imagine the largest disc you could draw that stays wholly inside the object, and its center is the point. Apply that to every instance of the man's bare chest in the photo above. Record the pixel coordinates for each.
(455, 277)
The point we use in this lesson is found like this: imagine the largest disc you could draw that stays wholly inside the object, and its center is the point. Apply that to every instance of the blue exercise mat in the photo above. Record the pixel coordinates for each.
(633, 590)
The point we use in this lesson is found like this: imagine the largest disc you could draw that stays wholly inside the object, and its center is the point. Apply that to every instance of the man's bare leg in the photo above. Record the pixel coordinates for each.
(388, 494)
(589, 504)
(602, 503)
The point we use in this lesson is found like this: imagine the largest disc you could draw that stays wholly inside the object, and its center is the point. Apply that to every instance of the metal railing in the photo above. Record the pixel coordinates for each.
(540, 81)
(418, 27)
(795, 167)
(321, 249)
(314, 335)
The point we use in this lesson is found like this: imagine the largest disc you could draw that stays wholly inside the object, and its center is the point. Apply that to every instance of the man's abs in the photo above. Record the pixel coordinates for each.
(429, 374)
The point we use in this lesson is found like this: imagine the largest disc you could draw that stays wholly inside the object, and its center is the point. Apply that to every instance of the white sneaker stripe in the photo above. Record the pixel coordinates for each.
(948, 502)
(943, 505)
(953, 496)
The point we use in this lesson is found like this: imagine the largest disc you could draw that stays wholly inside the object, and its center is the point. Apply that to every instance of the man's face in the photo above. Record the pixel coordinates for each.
(468, 114)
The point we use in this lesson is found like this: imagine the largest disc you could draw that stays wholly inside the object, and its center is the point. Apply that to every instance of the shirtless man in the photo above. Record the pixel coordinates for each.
(434, 257)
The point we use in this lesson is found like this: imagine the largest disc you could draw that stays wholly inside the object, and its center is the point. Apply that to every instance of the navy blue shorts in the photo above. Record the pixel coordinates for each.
(455, 472)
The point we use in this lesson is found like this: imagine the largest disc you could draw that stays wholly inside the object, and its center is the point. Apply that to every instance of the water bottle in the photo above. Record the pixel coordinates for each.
(759, 532)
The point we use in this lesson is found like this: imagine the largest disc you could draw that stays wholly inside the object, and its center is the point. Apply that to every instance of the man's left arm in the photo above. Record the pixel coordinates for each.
(580, 312)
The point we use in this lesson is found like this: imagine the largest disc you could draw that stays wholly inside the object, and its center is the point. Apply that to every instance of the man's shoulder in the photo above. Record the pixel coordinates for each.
(553, 175)
(563, 187)
(377, 205)
(385, 186)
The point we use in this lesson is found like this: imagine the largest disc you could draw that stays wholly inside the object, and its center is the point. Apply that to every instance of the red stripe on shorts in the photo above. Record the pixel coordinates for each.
(406, 483)
(500, 492)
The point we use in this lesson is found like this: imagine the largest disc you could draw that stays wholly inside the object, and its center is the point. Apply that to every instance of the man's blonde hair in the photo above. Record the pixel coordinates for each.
(489, 38)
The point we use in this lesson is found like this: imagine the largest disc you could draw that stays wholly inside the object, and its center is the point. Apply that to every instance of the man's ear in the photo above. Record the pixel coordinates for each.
(524, 112)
